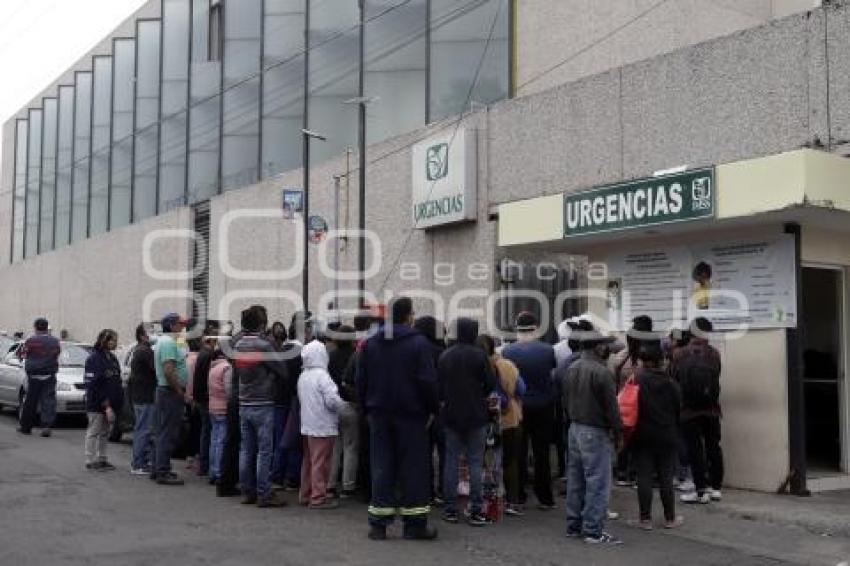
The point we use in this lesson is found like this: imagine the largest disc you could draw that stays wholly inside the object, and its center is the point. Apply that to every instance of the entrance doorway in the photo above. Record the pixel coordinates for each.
(823, 367)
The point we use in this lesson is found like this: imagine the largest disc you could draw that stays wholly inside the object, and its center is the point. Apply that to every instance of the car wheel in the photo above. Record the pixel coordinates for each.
(20, 410)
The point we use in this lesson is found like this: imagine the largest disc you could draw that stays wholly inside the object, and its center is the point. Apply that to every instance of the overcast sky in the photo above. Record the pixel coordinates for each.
(39, 39)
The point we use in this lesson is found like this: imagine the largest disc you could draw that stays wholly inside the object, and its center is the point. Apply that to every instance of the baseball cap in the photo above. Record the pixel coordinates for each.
(172, 318)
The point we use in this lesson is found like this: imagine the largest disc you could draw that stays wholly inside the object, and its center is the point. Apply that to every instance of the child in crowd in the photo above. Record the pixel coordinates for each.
(320, 403)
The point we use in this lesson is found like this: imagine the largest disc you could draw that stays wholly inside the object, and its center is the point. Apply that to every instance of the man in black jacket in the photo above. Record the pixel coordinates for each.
(142, 389)
(40, 353)
(590, 399)
(201, 397)
(466, 381)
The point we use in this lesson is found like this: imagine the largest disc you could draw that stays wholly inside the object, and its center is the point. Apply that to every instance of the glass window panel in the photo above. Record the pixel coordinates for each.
(47, 197)
(33, 182)
(146, 168)
(82, 149)
(64, 165)
(123, 102)
(21, 147)
(101, 143)
(176, 24)
(395, 71)
(334, 41)
(200, 30)
(204, 113)
(283, 86)
(458, 45)
(241, 126)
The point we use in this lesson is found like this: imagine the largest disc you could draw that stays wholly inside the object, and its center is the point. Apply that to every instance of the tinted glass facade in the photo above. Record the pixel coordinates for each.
(213, 95)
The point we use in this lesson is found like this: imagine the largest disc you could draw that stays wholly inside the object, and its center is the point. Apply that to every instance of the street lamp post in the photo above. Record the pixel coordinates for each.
(305, 166)
(361, 102)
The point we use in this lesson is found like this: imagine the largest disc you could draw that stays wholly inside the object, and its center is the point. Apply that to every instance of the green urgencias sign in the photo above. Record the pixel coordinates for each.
(646, 202)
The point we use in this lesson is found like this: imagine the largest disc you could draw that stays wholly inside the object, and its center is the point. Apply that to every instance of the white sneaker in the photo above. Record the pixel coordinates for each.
(613, 515)
(139, 471)
(715, 494)
(694, 497)
(686, 486)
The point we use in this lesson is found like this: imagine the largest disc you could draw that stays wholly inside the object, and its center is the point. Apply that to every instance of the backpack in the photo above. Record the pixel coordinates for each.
(629, 401)
(699, 379)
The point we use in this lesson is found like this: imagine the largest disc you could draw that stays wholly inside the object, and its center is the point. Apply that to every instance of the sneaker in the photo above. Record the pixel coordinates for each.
(686, 486)
(675, 523)
(547, 506)
(450, 517)
(105, 466)
(139, 471)
(249, 500)
(169, 478)
(426, 532)
(694, 497)
(45, 433)
(478, 520)
(625, 483)
(514, 510)
(603, 538)
(326, 505)
(715, 494)
(613, 515)
(377, 533)
(574, 534)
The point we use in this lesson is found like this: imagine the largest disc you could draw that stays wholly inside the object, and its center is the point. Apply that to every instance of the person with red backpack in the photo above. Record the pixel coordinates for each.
(655, 443)
(696, 367)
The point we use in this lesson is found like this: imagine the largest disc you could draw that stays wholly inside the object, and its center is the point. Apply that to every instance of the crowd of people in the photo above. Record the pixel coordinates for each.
(407, 415)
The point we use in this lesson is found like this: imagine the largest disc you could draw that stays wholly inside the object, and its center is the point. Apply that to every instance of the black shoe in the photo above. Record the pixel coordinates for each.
(45, 433)
(377, 533)
(169, 479)
(426, 532)
(227, 491)
(272, 501)
(106, 466)
(249, 500)
(23, 431)
(450, 517)
(92, 466)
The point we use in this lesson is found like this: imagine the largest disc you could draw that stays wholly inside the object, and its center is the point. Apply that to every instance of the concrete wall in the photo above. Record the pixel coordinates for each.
(101, 283)
(757, 92)
(559, 42)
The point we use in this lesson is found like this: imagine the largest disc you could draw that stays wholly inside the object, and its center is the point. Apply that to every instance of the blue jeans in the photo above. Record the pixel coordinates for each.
(588, 479)
(170, 407)
(218, 432)
(142, 430)
(255, 454)
(470, 443)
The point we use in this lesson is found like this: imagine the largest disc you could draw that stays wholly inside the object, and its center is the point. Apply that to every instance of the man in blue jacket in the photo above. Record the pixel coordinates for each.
(40, 353)
(397, 386)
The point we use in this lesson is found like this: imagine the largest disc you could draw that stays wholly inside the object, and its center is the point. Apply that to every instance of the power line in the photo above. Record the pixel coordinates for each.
(593, 44)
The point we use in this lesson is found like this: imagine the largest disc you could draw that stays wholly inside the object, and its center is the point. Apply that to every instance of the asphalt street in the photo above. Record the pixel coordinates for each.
(54, 512)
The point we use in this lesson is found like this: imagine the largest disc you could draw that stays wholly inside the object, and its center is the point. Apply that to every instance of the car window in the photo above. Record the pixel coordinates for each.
(73, 355)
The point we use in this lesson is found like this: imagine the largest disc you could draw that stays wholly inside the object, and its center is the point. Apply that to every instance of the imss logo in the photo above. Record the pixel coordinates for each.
(437, 161)
(701, 193)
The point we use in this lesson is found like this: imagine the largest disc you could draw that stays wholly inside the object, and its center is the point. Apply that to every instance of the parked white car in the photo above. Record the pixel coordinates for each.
(70, 384)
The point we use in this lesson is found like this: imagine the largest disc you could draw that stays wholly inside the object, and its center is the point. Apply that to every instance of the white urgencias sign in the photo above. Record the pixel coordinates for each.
(444, 179)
